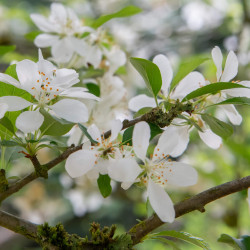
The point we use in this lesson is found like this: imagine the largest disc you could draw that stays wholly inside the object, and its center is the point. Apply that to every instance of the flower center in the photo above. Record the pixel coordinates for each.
(42, 90)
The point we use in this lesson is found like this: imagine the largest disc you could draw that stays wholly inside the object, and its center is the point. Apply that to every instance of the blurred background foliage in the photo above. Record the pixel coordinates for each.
(178, 29)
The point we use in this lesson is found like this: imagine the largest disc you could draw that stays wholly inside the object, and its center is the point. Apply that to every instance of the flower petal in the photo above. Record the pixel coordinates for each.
(141, 101)
(45, 40)
(231, 67)
(180, 174)
(15, 103)
(94, 132)
(10, 80)
(42, 23)
(80, 162)
(124, 170)
(116, 127)
(232, 114)
(27, 72)
(71, 110)
(217, 58)
(29, 121)
(141, 136)
(3, 109)
(191, 82)
(210, 138)
(166, 72)
(239, 92)
(160, 202)
(173, 141)
(78, 92)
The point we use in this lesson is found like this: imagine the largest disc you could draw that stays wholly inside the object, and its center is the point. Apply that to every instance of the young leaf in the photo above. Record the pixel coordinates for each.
(93, 89)
(104, 185)
(149, 72)
(142, 111)
(212, 88)
(219, 127)
(185, 68)
(7, 124)
(53, 126)
(6, 143)
(184, 236)
(84, 130)
(168, 242)
(125, 12)
(127, 136)
(235, 101)
(233, 242)
(6, 49)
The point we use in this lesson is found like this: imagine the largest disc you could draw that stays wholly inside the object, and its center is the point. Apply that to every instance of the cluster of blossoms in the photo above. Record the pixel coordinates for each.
(52, 90)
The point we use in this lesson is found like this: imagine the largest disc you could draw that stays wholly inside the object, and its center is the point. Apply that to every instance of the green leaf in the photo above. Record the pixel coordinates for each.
(7, 124)
(54, 126)
(169, 242)
(32, 35)
(235, 101)
(185, 68)
(154, 130)
(6, 49)
(84, 130)
(104, 185)
(219, 127)
(6, 143)
(149, 72)
(212, 88)
(125, 12)
(183, 236)
(233, 242)
(127, 136)
(142, 111)
(93, 89)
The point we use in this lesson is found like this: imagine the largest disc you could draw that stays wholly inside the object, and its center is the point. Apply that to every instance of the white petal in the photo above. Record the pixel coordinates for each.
(71, 110)
(232, 114)
(141, 101)
(3, 109)
(80, 162)
(239, 92)
(191, 82)
(27, 72)
(231, 67)
(116, 127)
(8, 79)
(210, 138)
(217, 58)
(62, 50)
(173, 141)
(29, 121)
(160, 202)
(78, 92)
(141, 136)
(94, 132)
(59, 13)
(15, 103)
(166, 72)
(126, 185)
(42, 23)
(180, 174)
(124, 170)
(45, 40)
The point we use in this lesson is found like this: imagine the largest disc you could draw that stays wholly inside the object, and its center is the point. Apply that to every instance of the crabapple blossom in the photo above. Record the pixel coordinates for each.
(45, 83)
(158, 171)
(63, 33)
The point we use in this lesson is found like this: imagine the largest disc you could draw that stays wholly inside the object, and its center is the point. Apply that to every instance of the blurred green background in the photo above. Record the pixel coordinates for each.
(175, 28)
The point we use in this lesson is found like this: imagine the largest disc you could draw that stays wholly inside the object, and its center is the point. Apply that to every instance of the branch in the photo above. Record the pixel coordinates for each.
(140, 230)
(156, 116)
(196, 202)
